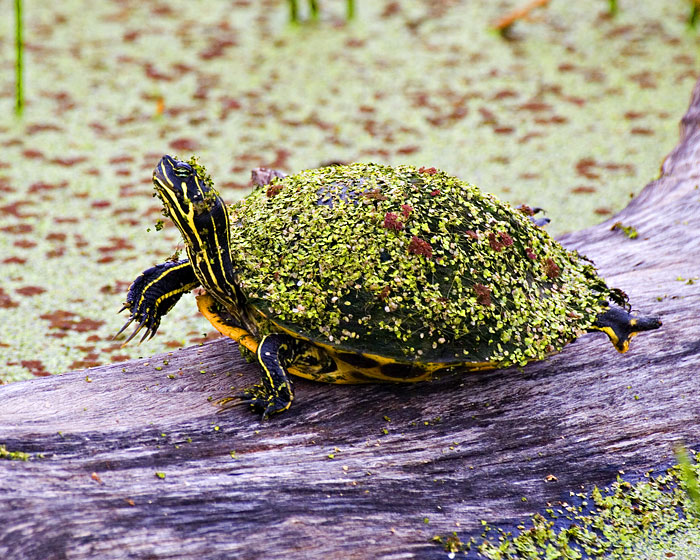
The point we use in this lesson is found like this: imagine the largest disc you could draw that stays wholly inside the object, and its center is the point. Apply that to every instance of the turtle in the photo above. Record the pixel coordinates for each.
(367, 273)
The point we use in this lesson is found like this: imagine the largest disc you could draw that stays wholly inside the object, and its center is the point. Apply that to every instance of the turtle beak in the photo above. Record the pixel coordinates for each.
(173, 176)
(179, 186)
(187, 198)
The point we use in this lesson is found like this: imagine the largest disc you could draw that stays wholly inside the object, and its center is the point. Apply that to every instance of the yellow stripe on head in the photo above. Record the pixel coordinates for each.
(202, 218)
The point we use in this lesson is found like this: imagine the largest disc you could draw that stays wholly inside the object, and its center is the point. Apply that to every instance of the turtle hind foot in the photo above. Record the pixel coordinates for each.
(621, 326)
(530, 212)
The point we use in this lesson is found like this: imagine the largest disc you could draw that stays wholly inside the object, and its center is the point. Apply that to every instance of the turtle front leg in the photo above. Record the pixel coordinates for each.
(621, 326)
(154, 293)
(274, 393)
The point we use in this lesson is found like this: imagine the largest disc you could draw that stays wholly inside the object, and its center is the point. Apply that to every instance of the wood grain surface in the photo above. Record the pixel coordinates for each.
(362, 471)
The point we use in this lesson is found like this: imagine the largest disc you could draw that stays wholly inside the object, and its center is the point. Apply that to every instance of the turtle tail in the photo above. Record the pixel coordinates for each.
(621, 326)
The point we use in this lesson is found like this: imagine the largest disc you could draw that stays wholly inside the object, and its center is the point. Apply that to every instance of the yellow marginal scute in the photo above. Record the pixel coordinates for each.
(205, 304)
(345, 373)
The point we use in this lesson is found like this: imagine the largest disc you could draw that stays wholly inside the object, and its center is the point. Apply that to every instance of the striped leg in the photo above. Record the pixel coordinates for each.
(154, 293)
(274, 393)
(621, 326)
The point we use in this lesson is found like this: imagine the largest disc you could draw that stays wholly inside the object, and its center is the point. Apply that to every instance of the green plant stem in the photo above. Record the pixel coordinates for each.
(689, 477)
(694, 13)
(314, 10)
(293, 11)
(19, 47)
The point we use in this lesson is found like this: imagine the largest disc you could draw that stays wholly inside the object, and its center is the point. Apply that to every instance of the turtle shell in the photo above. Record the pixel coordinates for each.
(411, 264)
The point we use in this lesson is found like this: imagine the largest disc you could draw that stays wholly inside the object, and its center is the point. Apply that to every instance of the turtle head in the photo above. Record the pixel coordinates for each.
(187, 194)
(191, 202)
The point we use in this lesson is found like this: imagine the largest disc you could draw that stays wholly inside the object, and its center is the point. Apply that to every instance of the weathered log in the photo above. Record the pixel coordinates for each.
(361, 471)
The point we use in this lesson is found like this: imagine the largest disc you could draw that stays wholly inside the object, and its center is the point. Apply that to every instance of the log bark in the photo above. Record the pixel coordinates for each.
(362, 471)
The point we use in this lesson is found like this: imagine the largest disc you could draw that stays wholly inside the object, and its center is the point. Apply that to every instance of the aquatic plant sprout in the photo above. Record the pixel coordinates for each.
(19, 53)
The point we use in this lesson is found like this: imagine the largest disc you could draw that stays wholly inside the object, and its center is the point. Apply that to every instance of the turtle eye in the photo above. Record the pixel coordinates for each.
(182, 169)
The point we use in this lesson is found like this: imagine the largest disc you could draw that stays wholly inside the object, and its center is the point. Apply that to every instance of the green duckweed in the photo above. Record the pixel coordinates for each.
(413, 261)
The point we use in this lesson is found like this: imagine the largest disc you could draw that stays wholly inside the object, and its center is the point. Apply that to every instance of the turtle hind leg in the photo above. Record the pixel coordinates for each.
(274, 393)
(154, 293)
(531, 212)
(621, 326)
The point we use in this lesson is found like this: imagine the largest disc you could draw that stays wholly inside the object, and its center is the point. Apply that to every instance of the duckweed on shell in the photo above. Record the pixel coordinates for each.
(407, 260)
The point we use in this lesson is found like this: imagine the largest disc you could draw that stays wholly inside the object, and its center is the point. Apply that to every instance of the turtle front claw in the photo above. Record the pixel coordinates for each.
(275, 392)
(146, 319)
(259, 401)
(154, 293)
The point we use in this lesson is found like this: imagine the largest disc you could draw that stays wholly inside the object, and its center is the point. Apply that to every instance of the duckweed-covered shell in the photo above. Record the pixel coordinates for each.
(410, 264)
